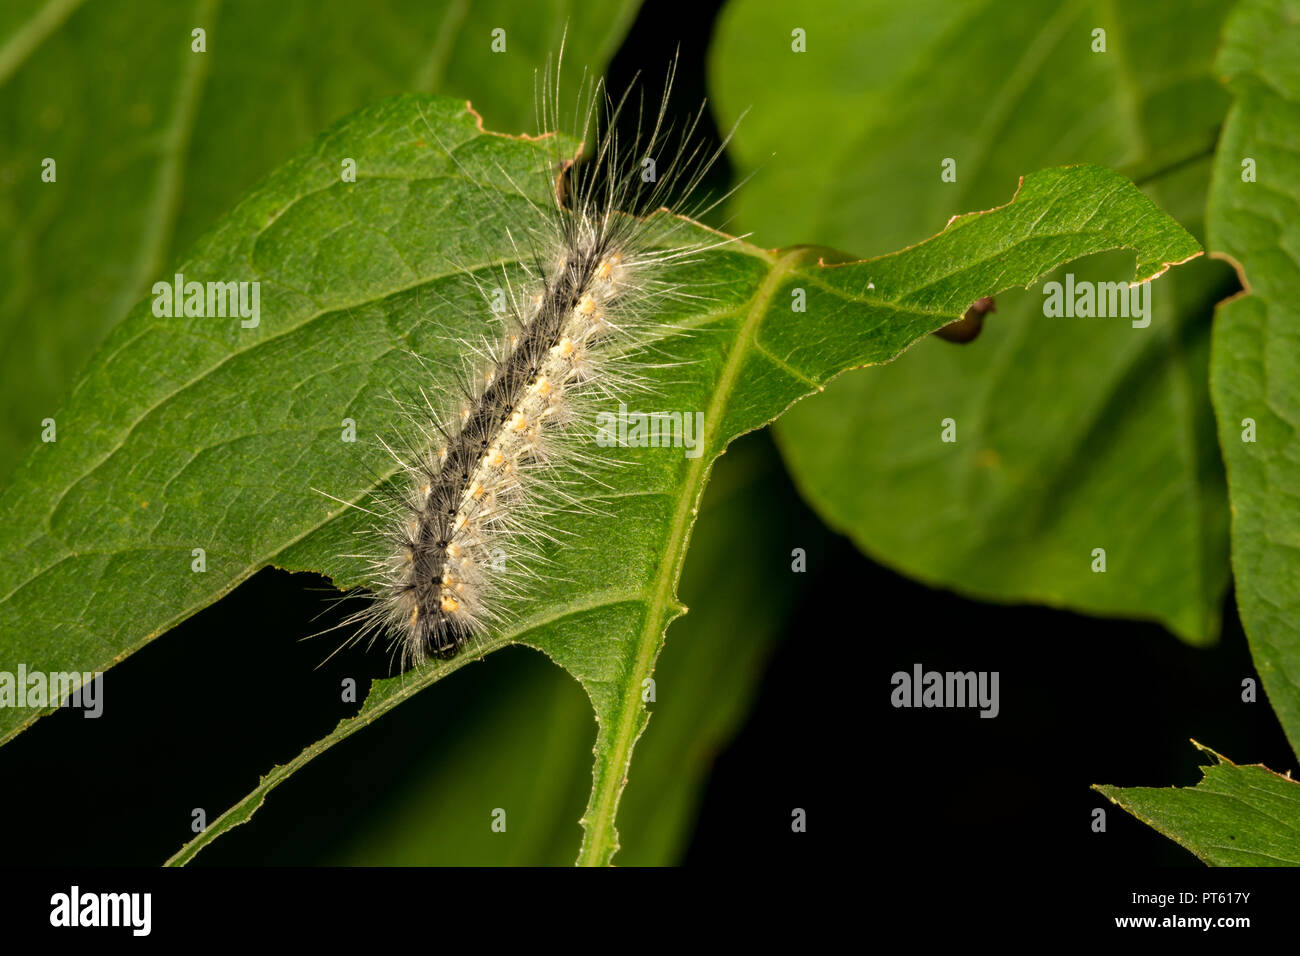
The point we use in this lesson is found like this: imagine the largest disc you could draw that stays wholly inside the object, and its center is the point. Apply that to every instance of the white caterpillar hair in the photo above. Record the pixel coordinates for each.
(490, 458)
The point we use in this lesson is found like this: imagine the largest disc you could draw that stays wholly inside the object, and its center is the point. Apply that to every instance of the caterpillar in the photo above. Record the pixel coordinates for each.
(492, 453)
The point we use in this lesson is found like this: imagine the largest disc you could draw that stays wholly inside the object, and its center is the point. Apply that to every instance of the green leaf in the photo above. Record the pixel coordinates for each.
(197, 433)
(518, 739)
(523, 734)
(1249, 815)
(740, 588)
(1256, 351)
(1235, 816)
(152, 142)
(846, 143)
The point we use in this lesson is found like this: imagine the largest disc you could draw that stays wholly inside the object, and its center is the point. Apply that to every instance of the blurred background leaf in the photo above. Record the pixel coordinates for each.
(1072, 433)
(153, 141)
(1249, 815)
(1256, 357)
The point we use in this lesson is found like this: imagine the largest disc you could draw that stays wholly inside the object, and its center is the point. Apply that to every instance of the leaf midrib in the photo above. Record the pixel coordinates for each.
(601, 839)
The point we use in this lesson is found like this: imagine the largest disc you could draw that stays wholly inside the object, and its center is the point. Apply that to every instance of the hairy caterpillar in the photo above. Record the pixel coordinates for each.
(490, 457)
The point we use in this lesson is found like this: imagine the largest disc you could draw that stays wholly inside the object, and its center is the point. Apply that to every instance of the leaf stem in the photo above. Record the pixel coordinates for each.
(600, 839)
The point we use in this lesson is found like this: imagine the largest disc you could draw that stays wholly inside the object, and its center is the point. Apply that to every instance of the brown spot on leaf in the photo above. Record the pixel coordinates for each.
(968, 327)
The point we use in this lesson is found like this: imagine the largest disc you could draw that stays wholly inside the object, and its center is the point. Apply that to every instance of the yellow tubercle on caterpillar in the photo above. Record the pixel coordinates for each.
(609, 276)
(580, 369)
